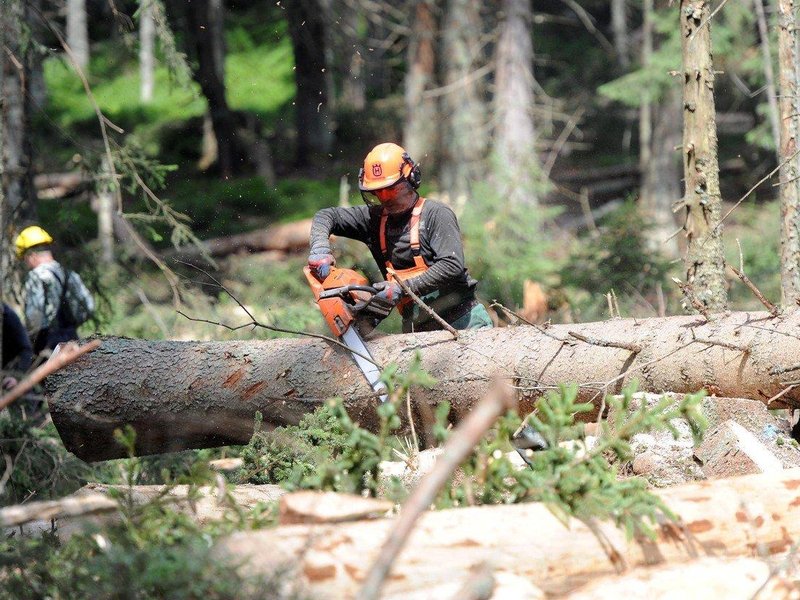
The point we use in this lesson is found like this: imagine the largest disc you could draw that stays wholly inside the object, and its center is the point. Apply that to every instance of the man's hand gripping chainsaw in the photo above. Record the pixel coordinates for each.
(350, 309)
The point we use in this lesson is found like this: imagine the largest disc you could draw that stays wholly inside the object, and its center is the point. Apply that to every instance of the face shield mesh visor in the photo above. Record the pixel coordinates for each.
(383, 195)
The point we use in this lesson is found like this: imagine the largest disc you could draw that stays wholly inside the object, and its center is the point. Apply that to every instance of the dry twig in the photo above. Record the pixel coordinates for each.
(635, 348)
(782, 370)
(255, 323)
(418, 301)
(539, 328)
(67, 353)
(773, 310)
(729, 345)
(688, 293)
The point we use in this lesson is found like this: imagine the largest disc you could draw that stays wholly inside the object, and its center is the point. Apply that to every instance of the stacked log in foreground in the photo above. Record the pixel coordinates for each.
(756, 515)
(182, 395)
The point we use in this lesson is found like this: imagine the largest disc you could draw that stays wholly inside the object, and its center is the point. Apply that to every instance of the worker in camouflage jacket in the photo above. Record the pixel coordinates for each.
(412, 239)
(56, 300)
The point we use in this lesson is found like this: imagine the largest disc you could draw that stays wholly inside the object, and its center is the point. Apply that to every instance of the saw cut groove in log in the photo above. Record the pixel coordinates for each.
(741, 516)
(180, 395)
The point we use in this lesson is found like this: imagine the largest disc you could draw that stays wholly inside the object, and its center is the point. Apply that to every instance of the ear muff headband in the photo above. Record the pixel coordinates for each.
(414, 176)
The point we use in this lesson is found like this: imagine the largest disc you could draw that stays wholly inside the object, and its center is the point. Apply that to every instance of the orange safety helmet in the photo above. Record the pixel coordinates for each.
(385, 165)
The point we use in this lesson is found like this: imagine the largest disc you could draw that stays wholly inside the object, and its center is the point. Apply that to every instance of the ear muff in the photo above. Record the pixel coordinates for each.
(414, 175)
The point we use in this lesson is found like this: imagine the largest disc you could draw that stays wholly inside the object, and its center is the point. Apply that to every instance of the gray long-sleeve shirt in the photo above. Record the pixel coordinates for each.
(440, 246)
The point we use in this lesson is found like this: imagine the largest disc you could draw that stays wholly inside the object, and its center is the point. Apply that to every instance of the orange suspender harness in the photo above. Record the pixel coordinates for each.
(419, 263)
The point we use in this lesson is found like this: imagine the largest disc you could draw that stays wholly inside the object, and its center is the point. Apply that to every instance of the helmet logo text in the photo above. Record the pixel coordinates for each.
(377, 170)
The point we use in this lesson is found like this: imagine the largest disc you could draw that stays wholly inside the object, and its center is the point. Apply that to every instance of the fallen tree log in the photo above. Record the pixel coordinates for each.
(73, 506)
(739, 578)
(284, 237)
(98, 505)
(180, 395)
(756, 515)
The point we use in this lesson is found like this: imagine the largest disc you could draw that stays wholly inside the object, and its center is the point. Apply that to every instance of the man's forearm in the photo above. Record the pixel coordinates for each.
(319, 238)
(440, 274)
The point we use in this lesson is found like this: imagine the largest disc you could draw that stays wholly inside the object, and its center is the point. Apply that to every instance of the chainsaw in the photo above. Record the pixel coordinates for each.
(348, 305)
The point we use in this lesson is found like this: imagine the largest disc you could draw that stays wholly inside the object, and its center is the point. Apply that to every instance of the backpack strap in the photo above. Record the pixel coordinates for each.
(64, 316)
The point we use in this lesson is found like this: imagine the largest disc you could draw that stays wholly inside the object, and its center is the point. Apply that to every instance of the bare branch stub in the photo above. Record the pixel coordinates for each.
(631, 347)
(782, 370)
(542, 330)
(773, 310)
(68, 353)
(738, 347)
(419, 302)
(688, 293)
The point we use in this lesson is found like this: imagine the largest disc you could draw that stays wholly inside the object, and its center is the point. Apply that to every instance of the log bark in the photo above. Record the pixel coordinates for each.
(702, 201)
(180, 395)
(742, 516)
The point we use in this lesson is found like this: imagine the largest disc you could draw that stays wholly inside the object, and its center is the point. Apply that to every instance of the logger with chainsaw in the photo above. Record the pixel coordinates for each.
(411, 238)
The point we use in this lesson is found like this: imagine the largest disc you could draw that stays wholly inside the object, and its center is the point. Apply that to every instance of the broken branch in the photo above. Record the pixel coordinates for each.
(635, 348)
(66, 354)
(418, 301)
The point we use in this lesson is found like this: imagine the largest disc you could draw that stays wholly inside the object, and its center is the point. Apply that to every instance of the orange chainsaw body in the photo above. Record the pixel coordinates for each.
(337, 310)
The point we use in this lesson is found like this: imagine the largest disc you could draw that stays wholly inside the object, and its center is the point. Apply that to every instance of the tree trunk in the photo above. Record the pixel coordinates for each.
(769, 75)
(5, 245)
(78, 32)
(17, 110)
(465, 140)
(147, 39)
(619, 27)
(182, 395)
(517, 169)
(645, 110)
(705, 262)
(718, 518)
(314, 127)
(660, 186)
(419, 129)
(285, 237)
(105, 215)
(204, 42)
(659, 163)
(790, 169)
(348, 47)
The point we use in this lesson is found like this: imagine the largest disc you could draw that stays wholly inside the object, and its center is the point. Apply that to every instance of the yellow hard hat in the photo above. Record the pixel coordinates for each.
(30, 237)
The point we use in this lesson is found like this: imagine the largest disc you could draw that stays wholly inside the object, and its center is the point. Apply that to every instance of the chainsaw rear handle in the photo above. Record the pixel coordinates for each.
(344, 293)
(344, 290)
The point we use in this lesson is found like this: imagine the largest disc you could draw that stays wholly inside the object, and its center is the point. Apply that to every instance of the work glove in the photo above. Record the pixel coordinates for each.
(388, 296)
(320, 265)
(389, 292)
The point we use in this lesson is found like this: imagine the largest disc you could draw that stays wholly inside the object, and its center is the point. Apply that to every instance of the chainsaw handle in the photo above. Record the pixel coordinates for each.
(341, 291)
